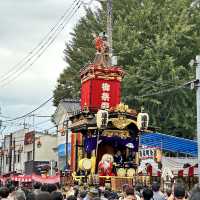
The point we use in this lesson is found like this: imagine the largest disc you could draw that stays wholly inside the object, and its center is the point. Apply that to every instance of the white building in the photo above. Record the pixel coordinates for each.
(23, 150)
(13, 155)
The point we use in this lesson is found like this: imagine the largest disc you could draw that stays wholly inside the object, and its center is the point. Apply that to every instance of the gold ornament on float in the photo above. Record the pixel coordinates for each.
(118, 133)
(121, 122)
(124, 109)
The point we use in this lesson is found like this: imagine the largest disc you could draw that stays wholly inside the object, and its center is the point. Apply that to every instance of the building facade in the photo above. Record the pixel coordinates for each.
(24, 150)
(61, 117)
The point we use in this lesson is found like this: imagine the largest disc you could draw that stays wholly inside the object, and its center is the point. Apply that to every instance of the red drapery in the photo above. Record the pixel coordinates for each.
(149, 170)
(33, 177)
(180, 172)
(191, 171)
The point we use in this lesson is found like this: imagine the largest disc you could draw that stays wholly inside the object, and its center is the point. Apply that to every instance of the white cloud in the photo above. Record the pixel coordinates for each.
(5, 52)
(23, 24)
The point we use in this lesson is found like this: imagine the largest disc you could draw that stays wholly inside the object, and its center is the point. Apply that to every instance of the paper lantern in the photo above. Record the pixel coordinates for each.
(39, 144)
(158, 155)
(62, 131)
(102, 118)
(142, 121)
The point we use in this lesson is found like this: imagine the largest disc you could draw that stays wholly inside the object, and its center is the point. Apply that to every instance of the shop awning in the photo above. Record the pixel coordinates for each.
(62, 149)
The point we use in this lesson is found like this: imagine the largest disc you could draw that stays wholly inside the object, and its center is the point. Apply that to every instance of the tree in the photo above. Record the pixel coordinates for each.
(78, 53)
(154, 40)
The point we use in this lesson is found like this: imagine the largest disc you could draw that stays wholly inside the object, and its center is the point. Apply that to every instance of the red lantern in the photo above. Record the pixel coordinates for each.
(62, 131)
(39, 144)
(180, 173)
(191, 171)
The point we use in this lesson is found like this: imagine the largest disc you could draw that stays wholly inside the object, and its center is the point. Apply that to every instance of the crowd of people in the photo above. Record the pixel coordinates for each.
(139, 192)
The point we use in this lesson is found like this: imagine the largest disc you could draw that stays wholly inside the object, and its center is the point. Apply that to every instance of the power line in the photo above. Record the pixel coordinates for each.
(43, 122)
(39, 116)
(41, 50)
(29, 113)
(89, 3)
(164, 83)
(42, 116)
(160, 92)
(3, 116)
(14, 69)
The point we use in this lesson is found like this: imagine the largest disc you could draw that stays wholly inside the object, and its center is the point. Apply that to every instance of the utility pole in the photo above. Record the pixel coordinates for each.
(109, 25)
(4, 147)
(198, 110)
(14, 155)
(10, 153)
(34, 139)
(33, 146)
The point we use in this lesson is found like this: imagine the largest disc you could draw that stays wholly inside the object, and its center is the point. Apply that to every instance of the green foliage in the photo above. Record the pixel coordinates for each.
(154, 40)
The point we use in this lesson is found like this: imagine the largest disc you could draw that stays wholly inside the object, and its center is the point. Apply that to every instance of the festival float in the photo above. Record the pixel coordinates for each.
(105, 132)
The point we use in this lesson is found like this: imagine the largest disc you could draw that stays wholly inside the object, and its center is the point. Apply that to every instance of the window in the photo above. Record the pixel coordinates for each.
(29, 155)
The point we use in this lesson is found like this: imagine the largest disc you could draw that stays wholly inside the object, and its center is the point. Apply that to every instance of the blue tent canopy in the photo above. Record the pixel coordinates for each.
(62, 150)
(163, 141)
(170, 143)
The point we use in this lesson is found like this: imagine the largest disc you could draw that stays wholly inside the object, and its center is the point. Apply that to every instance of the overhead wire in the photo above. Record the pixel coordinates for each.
(16, 66)
(136, 97)
(35, 56)
(42, 122)
(60, 22)
(27, 114)
(162, 83)
(3, 116)
(160, 92)
(29, 58)
(52, 29)
(142, 96)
